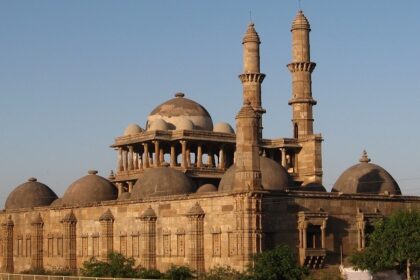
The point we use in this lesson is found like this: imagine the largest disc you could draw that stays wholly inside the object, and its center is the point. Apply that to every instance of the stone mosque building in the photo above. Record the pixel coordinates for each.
(186, 191)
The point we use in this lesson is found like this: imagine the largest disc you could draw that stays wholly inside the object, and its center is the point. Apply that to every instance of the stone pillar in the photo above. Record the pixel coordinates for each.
(146, 155)
(251, 77)
(148, 221)
(188, 155)
(107, 234)
(125, 159)
(184, 153)
(196, 235)
(69, 239)
(161, 155)
(37, 236)
(7, 226)
(119, 188)
(222, 160)
(210, 158)
(323, 228)
(304, 231)
(173, 156)
(119, 160)
(157, 153)
(283, 158)
(199, 156)
(130, 186)
(130, 158)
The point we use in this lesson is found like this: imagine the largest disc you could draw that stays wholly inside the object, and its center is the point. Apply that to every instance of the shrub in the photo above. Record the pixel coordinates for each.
(179, 273)
(223, 273)
(144, 273)
(117, 266)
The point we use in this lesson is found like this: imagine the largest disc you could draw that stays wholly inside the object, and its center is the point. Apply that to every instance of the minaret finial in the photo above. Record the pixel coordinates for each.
(364, 158)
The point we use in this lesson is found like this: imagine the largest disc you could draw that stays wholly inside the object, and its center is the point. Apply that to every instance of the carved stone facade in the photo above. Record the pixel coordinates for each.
(187, 192)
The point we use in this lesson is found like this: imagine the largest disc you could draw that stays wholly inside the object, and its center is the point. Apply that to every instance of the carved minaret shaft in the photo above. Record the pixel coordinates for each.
(301, 68)
(251, 77)
(248, 173)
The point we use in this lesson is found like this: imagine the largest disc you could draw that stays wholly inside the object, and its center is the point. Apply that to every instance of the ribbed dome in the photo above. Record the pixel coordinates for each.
(207, 188)
(273, 176)
(88, 189)
(160, 182)
(179, 107)
(30, 194)
(223, 127)
(251, 35)
(300, 21)
(366, 178)
(132, 129)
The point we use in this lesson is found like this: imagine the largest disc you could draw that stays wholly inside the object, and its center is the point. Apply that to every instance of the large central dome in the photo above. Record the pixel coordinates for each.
(181, 113)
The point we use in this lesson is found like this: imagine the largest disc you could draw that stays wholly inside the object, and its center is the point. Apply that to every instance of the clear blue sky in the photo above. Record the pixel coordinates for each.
(74, 74)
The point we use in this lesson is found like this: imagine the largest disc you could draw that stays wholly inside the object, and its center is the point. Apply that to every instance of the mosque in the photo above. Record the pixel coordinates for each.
(189, 192)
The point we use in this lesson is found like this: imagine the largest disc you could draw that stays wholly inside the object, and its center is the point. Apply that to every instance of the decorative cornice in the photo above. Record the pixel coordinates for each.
(302, 100)
(304, 66)
(252, 77)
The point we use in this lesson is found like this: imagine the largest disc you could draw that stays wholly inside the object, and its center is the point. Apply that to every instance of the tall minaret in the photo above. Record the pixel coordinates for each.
(301, 68)
(251, 77)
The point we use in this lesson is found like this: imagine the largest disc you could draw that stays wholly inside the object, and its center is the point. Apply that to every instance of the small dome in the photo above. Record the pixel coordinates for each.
(184, 124)
(207, 188)
(30, 194)
(162, 181)
(223, 127)
(273, 176)
(180, 107)
(366, 178)
(158, 124)
(132, 129)
(88, 189)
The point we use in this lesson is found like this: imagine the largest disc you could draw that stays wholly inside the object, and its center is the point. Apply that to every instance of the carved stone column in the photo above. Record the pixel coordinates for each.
(157, 153)
(130, 158)
(69, 239)
(283, 157)
(119, 160)
(199, 156)
(8, 245)
(184, 153)
(148, 254)
(196, 235)
(145, 156)
(323, 228)
(37, 256)
(125, 159)
(173, 156)
(107, 234)
(222, 160)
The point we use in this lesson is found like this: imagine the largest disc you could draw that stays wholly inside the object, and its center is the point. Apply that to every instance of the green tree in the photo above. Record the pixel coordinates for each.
(117, 266)
(276, 264)
(393, 244)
